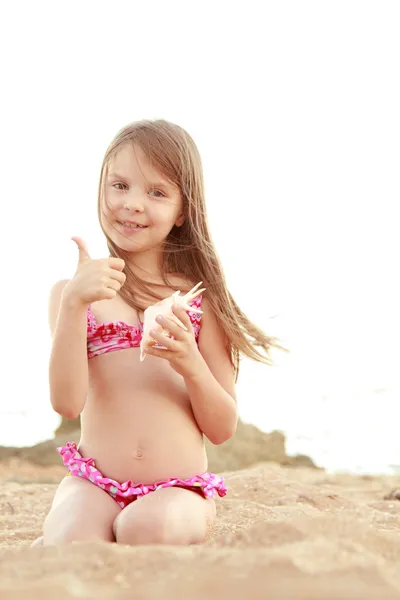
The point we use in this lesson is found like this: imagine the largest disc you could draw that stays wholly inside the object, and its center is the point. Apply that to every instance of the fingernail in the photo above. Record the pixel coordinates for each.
(159, 318)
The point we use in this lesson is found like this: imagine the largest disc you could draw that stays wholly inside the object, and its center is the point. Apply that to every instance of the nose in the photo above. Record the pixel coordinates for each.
(134, 207)
(134, 202)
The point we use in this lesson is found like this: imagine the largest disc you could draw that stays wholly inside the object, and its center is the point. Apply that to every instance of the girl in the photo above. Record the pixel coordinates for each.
(139, 474)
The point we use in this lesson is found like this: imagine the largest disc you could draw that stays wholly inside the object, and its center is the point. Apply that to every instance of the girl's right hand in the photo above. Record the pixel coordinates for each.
(94, 279)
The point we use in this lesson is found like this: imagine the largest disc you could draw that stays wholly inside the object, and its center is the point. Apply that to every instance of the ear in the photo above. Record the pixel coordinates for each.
(180, 220)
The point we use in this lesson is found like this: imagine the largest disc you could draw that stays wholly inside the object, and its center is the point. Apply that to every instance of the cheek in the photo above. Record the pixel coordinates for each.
(109, 208)
(163, 215)
(157, 215)
(111, 202)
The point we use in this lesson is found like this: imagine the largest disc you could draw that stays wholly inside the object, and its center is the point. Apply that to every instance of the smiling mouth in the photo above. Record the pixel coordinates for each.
(131, 225)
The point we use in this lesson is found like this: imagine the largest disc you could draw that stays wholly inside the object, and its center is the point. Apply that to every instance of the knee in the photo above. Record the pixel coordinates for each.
(67, 536)
(161, 527)
(56, 533)
(55, 536)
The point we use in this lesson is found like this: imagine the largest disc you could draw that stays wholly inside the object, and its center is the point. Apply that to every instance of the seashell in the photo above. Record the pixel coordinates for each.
(164, 308)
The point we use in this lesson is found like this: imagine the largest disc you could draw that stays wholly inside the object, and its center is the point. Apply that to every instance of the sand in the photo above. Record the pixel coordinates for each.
(282, 533)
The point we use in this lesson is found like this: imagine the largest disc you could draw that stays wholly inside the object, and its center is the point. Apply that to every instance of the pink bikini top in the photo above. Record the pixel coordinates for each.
(108, 337)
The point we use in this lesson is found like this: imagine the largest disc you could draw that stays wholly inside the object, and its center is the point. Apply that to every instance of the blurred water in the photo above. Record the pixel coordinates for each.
(354, 432)
(342, 424)
(25, 428)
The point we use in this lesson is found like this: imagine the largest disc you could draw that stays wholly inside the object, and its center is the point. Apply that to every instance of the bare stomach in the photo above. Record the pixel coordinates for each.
(138, 423)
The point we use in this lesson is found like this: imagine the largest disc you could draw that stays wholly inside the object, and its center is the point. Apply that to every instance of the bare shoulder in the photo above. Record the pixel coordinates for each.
(209, 324)
(55, 300)
(214, 347)
(58, 287)
(57, 290)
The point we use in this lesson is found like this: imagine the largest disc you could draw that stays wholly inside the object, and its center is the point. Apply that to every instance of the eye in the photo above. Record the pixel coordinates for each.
(122, 184)
(155, 192)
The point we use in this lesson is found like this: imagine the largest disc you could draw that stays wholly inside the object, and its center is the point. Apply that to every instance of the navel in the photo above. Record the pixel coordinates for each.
(138, 454)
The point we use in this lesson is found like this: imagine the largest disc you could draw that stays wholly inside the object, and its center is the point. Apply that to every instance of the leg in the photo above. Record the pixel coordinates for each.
(167, 516)
(81, 511)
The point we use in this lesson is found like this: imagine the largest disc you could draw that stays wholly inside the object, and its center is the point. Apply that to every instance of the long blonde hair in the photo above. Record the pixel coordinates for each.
(188, 250)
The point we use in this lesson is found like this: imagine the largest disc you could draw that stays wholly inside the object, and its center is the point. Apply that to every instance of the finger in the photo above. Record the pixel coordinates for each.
(116, 263)
(107, 294)
(159, 353)
(117, 275)
(182, 315)
(162, 339)
(82, 248)
(113, 284)
(171, 327)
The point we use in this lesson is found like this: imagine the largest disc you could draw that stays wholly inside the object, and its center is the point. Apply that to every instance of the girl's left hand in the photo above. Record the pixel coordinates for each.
(182, 351)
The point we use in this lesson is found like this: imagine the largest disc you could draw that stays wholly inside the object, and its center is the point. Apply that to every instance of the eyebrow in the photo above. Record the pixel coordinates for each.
(155, 184)
(116, 176)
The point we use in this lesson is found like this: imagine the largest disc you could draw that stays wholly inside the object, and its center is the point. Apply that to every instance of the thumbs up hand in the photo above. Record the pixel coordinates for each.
(95, 279)
(82, 249)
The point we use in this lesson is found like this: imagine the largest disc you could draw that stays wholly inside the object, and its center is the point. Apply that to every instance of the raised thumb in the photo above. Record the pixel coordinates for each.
(82, 248)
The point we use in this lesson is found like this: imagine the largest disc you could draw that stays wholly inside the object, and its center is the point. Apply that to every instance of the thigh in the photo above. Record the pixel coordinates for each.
(81, 511)
(167, 516)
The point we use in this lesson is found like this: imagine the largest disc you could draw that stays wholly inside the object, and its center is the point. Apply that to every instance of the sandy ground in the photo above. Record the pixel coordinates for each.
(282, 533)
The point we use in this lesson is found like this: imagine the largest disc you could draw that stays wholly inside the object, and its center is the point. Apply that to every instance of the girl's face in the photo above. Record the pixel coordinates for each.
(140, 207)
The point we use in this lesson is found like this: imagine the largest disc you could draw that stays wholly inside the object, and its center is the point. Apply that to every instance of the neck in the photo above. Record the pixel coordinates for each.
(147, 265)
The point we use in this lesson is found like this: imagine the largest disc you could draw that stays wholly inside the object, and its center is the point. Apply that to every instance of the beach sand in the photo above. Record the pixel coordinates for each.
(281, 532)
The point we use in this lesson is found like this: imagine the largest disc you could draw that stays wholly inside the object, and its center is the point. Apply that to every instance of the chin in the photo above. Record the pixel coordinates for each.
(122, 241)
(127, 245)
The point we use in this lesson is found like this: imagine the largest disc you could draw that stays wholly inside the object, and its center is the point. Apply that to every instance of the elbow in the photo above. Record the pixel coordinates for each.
(219, 439)
(223, 434)
(71, 415)
(66, 412)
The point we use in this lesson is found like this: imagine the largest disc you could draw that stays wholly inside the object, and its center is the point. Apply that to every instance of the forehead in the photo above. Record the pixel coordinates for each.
(131, 163)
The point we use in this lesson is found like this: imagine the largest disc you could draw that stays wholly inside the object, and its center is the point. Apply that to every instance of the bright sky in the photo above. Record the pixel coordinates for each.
(295, 109)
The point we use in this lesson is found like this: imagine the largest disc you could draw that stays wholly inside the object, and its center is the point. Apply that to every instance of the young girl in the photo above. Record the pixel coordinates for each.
(139, 474)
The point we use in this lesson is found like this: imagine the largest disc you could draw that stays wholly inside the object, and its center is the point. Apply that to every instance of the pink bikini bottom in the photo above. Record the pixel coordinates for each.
(207, 484)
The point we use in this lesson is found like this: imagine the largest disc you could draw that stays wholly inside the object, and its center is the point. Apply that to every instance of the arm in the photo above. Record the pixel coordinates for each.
(68, 369)
(211, 387)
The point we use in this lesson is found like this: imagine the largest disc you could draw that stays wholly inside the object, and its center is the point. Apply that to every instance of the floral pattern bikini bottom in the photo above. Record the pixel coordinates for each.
(206, 484)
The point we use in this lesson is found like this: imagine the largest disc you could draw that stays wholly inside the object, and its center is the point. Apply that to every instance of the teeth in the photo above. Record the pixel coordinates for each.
(133, 226)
